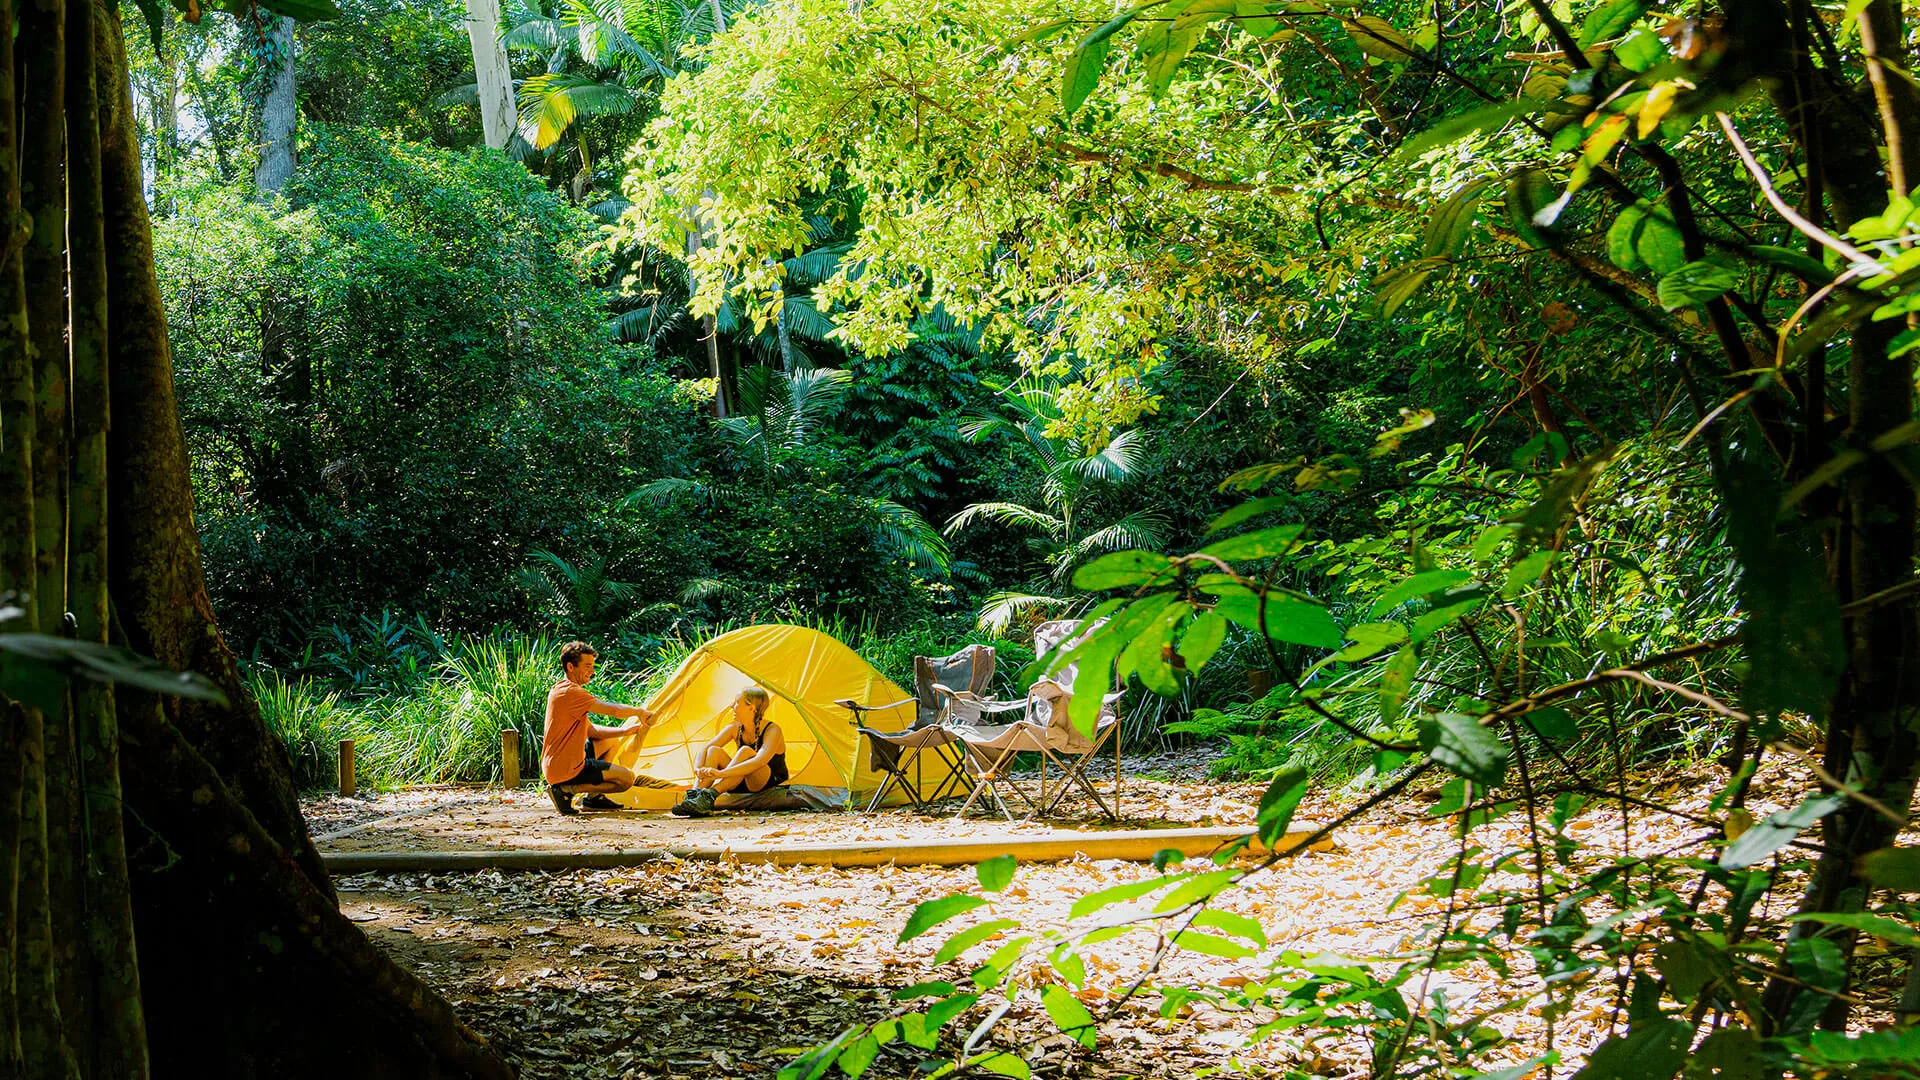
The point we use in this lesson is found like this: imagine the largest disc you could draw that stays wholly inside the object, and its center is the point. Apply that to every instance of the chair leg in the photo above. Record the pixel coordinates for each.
(985, 782)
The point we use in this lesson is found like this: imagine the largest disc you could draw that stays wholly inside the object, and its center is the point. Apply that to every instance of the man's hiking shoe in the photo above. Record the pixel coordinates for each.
(597, 801)
(562, 801)
(696, 803)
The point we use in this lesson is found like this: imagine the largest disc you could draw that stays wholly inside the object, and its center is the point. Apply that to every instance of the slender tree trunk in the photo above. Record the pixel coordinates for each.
(491, 73)
(278, 112)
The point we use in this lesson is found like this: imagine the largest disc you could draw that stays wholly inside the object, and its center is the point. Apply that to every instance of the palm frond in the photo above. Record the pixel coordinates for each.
(1122, 459)
(702, 588)
(1140, 531)
(549, 104)
(814, 267)
(667, 489)
(539, 32)
(1002, 607)
(901, 532)
(804, 319)
(1007, 514)
(609, 210)
(646, 324)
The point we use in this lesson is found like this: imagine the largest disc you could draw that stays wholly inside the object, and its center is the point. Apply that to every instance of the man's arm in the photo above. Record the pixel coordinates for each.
(609, 708)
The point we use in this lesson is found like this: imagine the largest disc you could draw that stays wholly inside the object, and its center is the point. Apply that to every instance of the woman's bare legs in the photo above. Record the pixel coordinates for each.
(719, 759)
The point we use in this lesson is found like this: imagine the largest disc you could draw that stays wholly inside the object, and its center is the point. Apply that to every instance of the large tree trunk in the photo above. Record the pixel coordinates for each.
(278, 111)
(203, 937)
(490, 72)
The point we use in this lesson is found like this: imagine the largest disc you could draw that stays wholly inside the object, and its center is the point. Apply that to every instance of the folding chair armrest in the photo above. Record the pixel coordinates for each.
(856, 708)
(989, 705)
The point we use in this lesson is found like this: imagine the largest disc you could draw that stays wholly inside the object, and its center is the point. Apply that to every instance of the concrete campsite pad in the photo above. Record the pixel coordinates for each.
(480, 828)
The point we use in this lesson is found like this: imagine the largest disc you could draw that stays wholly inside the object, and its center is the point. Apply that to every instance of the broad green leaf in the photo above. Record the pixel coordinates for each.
(1379, 39)
(1081, 72)
(1461, 745)
(1609, 19)
(1640, 50)
(917, 1032)
(1440, 618)
(1212, 945)
(1278, 803)
(934, 912)
(857, 1058)
(1807, 267)
(1116, 894)
(1433, 581)
(1446, 231)
(1069, 965)
(1396, 681)
(1371, 639)
(1400, 284)
(1237, 925)
(1163, 49)
(1196, 888)
(995, 873)
(1552, 723)
(1896, 868)
(1526, 572)
(1290, 621)
(1455, 128)
(940, 1012)
(1695, 283)
(1204, 636)
(925, 989)
(1071, 1017)
(1731, 1053)
(968, 938)
(1879, 926)
(1003, 957)
(1774, 833)
(1249, 510)
(1686, 971)
(303, 11)
(1122, 570)
(1001, 1063)
(1267, 543)
(1653, 1051)
(1623, 237)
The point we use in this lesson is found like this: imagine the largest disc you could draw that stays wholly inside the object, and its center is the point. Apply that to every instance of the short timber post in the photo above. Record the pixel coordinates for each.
(346, 768)
(509, 758)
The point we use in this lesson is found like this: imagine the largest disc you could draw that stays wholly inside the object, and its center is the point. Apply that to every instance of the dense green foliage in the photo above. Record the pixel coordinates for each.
(1423, 397)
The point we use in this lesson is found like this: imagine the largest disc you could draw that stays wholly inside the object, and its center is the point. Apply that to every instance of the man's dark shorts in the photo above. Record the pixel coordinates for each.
(594, 771)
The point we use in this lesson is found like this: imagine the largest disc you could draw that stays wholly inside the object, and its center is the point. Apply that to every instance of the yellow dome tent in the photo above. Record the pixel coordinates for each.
(806, 671)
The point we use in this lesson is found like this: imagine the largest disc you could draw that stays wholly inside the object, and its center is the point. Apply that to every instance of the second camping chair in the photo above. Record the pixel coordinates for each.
(940, 685)
(1044, 728)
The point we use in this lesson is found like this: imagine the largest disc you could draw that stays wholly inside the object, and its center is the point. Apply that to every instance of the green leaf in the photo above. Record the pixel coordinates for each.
(1001, 1063)
(1439, 619)
(1879, 926)
(1640, 50)
(859, 1057)
(971, 936)
(1371, 639)
(1290, 621)
(1069, 965)
(1205, 634)
(940, 1012)
(1082, 70)
(1071, 1017)
(1769, 836)
(1610, 19)
(1695, 283)
(1116, 894)
(1122, 570)
(1212, 945)
(1623, 237)
(995, 873)
(1799, 262)
(1427, 584)
(38, 666)
(934, 912)
(1249, 510)
(1896, 868)
(1653, 1051)
(1686, 971)
(1400, 284)
(303, 11)
(1526, 572)
(1551, 723)
(1396, 681)
(1455, 128)
(1277, 805)
(1460, 744)
(1196, 888)
(1237, 925)
(1379, 39)
(1446, 231)
(1280, 540)
(1163, 48)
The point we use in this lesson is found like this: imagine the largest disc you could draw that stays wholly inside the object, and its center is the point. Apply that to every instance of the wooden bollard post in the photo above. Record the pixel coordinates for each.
(346, 768)
(509, 758)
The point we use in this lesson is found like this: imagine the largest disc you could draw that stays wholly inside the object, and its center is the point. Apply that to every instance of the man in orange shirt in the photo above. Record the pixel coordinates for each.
(567, 760)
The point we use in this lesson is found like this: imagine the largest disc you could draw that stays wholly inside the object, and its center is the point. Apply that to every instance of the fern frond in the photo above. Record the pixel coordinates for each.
(1006, 513)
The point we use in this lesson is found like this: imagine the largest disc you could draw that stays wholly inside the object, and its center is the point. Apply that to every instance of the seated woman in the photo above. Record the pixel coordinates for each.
(759, 763)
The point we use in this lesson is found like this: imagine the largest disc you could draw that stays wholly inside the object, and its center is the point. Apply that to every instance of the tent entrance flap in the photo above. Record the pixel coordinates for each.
(804, 670)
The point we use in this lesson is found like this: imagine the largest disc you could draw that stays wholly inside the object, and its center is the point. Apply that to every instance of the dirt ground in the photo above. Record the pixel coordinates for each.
(718, 969)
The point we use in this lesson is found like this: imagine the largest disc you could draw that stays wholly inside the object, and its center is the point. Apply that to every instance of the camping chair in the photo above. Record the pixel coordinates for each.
(1043, 728)
(939, 686)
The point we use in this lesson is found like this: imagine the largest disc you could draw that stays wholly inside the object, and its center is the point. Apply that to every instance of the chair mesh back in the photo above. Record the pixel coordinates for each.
(1047, 637)
(970, 669)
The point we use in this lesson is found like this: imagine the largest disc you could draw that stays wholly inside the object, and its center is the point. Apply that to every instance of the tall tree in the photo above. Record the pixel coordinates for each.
(491, 74)
(172, 918)
(279, 105)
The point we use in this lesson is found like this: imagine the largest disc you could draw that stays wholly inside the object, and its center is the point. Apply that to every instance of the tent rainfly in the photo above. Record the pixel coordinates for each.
(806, 671)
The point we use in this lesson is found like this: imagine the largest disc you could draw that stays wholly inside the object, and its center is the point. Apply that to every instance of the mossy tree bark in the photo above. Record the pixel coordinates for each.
(183, 924)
